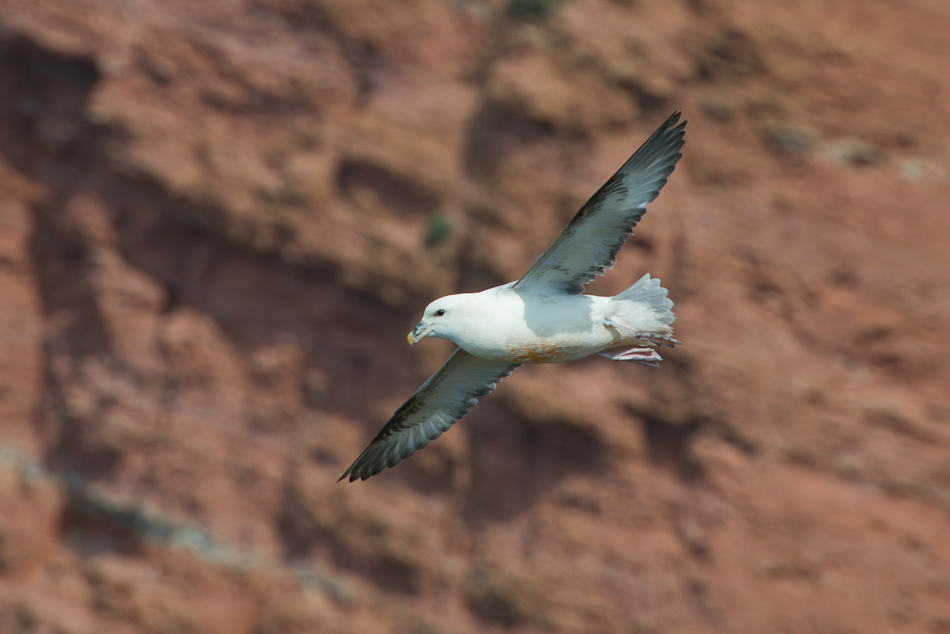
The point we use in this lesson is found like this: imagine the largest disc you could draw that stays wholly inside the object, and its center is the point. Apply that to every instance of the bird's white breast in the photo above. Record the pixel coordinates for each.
(535, 328)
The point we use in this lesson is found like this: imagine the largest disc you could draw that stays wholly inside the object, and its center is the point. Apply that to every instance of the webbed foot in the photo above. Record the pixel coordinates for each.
(643, 356)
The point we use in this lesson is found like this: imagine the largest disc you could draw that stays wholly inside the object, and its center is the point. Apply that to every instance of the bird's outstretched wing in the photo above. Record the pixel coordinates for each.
(590, 242)
(446, 397)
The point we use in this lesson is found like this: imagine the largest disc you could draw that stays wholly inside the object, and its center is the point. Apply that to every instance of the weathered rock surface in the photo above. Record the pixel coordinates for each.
(218, 220)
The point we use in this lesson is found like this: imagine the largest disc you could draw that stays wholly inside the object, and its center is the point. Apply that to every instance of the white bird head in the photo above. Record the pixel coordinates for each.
(444, 318)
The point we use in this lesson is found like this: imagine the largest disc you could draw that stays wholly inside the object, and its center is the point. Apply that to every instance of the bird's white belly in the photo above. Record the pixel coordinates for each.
(549, 331)
(550, 350)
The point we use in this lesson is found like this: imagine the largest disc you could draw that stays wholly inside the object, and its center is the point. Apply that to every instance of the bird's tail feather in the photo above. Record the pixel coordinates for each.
(649, 295)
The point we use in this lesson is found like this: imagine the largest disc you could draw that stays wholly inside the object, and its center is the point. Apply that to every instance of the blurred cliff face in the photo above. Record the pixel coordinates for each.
(218, 220)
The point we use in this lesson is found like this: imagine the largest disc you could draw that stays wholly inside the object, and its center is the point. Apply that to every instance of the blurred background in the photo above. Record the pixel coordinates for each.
(218, 221)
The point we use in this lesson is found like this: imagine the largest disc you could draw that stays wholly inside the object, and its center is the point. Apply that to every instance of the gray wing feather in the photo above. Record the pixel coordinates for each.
(445, 398)
(590, 242)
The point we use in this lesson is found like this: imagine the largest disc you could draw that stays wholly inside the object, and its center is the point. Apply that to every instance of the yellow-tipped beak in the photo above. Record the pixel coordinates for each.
(421, 331)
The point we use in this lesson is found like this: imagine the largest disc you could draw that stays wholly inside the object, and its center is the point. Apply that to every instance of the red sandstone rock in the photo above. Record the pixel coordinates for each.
(218, 220)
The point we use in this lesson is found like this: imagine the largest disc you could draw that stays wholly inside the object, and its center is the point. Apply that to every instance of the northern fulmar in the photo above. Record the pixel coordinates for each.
(544, 317)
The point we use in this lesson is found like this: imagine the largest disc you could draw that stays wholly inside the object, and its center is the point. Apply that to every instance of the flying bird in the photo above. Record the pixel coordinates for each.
(544, 317)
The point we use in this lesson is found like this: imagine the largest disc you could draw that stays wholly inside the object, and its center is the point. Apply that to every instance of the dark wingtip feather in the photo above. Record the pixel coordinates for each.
(353, 472)
(362, 468)
(671, 121)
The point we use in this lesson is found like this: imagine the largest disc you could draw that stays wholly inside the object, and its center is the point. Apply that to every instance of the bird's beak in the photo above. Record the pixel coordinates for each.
(421, 331)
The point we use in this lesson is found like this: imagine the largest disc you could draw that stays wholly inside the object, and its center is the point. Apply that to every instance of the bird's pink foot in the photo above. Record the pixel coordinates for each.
(644, 356)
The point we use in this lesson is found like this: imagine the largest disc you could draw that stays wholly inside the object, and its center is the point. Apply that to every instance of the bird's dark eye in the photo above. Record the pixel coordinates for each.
(439, 313)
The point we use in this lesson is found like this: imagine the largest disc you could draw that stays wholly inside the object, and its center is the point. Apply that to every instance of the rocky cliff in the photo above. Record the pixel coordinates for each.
(218, 220)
